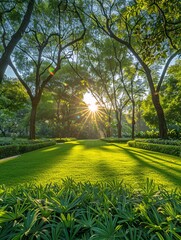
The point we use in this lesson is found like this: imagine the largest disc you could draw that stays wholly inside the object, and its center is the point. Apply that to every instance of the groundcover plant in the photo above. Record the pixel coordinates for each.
(98, 211)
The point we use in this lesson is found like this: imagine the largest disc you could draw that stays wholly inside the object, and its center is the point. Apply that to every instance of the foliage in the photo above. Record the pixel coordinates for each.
(13, 23)
(116, 140)
(62, 140)
(161, 141)
(12, 95)
(163, 148)
(173, 133)
(170, 98)
(68, 110)
(12, 150)
(150, 31)
(39, 54)
(89, 211)
(148, 134)
(14, 108)
(7, 151)
(172, 94)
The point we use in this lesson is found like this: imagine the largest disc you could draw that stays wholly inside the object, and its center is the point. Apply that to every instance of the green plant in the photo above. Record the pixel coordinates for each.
(84, 211)
(163, 148)
(12, 150)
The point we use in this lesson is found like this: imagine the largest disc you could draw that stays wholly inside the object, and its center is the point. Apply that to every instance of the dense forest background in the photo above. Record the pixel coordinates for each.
(123, 55)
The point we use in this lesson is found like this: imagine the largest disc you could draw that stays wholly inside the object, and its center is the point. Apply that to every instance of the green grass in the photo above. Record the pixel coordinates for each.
(92, 160)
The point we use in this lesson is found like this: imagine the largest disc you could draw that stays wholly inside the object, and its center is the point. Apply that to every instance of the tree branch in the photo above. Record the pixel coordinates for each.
(5, 58)
(165, 69)
(21, 80)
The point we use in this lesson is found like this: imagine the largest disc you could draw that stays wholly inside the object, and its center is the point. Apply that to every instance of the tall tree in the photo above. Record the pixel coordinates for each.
(12, 17)
(170, 97)
(55, 30)
(151, 32)
(112, 72)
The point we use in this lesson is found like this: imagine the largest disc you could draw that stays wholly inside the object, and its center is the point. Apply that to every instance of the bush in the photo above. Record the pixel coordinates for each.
(168, 149)
(116, 140)
(89, 211)
(161, 141)
(148, 134)
(8, 151)
(31, 147)
(62, 140)
(12, 150)
(172, 133)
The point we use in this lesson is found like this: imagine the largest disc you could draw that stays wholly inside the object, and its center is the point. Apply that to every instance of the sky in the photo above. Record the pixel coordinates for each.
(9, 72)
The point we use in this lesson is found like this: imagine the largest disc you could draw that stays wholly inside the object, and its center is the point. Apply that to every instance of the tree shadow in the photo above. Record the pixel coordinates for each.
(158, 158)
(159, 168)
(106, 171)
(32, 165)
(96, 144)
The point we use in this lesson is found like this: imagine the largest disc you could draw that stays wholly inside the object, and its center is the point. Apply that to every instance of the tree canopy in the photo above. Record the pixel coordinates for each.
(120, 51)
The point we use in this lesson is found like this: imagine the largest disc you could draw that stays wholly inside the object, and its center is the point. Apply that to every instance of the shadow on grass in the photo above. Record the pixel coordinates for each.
(157, 157)
(31, 165)
(96, 145)
(145, 161)
(105, 170)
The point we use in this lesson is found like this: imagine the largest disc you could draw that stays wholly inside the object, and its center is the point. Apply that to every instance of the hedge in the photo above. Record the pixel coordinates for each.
(63, 140)
(168, 149)
(116, 140)
(161, 141)
(12, 150)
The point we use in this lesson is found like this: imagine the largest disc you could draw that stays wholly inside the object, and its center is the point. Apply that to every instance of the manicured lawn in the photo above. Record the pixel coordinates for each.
(92, 160)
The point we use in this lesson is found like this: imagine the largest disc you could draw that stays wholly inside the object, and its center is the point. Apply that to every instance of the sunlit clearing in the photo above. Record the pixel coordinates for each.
(93, 107)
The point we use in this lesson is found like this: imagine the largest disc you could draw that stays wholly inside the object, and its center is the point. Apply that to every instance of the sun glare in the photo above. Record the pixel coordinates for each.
(91, 102)
(93, 107)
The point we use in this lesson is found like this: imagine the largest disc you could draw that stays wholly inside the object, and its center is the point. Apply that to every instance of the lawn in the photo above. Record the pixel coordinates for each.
(92, 160)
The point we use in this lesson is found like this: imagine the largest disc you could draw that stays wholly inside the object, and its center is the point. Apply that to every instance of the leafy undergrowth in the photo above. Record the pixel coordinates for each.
(89, 211)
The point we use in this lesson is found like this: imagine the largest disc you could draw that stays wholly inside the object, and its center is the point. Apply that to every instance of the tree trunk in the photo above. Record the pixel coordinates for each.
(58, 127)
(34, 105)
(119, 125)
(161, 116)
(133, 120)
(108, 127)
(162, 125)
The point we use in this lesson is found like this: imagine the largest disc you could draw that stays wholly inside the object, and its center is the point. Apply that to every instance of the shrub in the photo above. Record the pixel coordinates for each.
(89, 211)
(62, 140)
(168, 149)
(148, 134)
(31, 147)
(12, 150)
(116, 140)
(161, 141)
(8, 151)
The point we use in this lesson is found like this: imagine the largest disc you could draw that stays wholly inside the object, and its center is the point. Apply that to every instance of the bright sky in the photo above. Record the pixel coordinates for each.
(9, 72)
(89, 99)
(91, 102)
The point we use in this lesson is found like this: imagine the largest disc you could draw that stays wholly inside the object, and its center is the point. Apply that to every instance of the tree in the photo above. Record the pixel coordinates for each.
(171, 91)
(13, 107)
(170, 98)
(67, 91)
(41, 51)
(149, 30)
(113, 78)
(12, 17)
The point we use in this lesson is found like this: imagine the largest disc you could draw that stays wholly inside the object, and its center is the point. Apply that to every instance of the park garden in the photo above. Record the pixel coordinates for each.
(90, 120)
